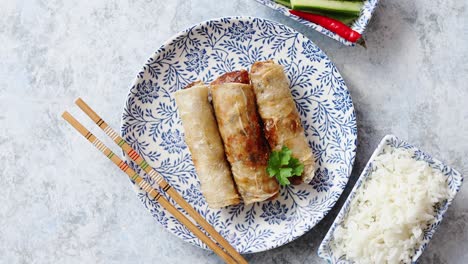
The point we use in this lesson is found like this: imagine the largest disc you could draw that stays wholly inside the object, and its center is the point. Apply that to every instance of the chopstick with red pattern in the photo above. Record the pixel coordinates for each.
(154, 194)
(159, 180)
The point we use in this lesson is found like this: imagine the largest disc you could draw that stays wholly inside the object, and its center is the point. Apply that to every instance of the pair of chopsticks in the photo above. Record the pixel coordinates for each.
(228, 254)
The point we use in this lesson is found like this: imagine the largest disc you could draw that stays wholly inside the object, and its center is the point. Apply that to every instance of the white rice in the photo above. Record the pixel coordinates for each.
(390, 211)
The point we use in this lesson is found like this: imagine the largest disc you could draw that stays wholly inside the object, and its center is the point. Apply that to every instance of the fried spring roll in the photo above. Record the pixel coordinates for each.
(246, 148)
(280, 117)
(205, 145)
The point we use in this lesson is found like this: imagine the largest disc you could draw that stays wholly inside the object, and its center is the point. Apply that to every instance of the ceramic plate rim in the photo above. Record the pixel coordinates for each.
(249, 18)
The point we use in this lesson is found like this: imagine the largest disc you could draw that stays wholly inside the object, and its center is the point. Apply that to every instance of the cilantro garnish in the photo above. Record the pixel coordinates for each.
(282, 166)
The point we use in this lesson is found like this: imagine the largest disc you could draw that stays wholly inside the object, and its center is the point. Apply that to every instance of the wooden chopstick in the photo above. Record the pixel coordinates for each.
(147, 187)
(160, 180)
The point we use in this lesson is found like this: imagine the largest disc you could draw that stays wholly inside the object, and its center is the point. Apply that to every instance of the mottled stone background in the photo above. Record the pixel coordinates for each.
(62, 202)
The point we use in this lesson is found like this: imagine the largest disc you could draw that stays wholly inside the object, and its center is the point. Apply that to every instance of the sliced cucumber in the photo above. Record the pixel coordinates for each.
(335, 6)
(347, 20)
(344, 18)
(286, 3)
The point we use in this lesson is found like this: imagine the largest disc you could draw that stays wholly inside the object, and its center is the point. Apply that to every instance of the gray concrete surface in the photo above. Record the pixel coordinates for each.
(61, 202)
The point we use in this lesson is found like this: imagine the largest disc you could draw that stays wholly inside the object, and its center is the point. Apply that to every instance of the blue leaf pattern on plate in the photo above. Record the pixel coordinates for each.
(194, 196)
(342, 100)
(274, 212)
(172, 141)
(242, 31)
(197, 60)
(146, 91)
(312, 52)
(323, 180)
(150, 123)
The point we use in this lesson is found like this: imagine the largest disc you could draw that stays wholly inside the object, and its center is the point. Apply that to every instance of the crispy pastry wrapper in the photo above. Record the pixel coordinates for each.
(282, 123)
(205, 144)
(246, 148)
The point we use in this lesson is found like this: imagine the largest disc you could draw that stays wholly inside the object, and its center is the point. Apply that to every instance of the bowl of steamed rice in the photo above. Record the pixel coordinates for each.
(394, 208)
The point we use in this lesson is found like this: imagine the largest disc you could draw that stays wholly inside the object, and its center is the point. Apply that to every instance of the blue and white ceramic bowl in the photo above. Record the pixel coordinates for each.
(454, 180)
(151, 124)
(359, 25)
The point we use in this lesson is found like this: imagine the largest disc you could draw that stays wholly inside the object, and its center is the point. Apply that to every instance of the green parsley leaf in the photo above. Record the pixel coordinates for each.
(285, 155)
(274, 160)
(297, 166)
(272, 171)
(282, 165)
(283, 176)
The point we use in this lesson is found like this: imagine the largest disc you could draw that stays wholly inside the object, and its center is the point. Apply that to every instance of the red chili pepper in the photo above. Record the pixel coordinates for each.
(331, 24)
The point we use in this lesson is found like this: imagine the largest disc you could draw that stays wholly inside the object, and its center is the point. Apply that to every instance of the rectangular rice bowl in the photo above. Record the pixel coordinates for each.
(331, 248)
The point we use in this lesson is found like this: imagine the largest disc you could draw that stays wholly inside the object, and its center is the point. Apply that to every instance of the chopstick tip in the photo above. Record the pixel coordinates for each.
(67, 116)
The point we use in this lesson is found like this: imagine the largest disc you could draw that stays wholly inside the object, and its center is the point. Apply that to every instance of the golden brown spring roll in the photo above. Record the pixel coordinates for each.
(205, 145)
(282, 123)
(246, 148)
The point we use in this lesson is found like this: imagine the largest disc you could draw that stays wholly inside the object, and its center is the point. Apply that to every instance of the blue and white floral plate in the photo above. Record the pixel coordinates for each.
(359, 25)
(389, 142)
(151, 124)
